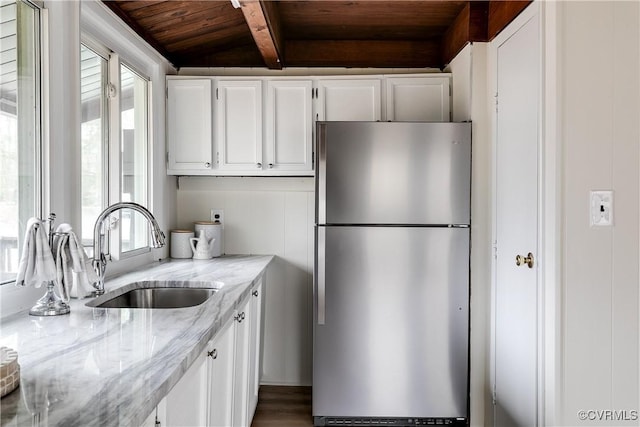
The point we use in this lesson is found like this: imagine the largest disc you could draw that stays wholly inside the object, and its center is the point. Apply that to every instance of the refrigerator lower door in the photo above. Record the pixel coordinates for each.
(393, 334)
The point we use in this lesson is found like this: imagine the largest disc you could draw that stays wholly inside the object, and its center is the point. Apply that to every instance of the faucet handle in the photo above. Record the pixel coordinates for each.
(157, 236)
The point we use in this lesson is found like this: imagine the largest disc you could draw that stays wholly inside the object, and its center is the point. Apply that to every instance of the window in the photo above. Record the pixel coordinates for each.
(115, 140)
(20, 124)
(94, 136)
(134, 124)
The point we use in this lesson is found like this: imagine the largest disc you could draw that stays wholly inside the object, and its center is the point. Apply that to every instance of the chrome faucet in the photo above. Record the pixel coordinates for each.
(99, 259)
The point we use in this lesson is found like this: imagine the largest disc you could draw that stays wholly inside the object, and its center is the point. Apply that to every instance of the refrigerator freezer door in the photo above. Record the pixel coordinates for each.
(394, 173)
(394, 342)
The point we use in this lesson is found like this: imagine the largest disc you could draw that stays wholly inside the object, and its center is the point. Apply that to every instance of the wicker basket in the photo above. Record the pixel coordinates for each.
(9, 371)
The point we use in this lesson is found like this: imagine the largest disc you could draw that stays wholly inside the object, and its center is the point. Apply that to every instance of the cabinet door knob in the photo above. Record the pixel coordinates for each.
(270, 165)
(213, 354)
(258, 165)
(255, 293)
(207, 165)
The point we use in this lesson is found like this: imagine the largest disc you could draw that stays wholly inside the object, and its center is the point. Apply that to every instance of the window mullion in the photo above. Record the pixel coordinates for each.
(114, 150)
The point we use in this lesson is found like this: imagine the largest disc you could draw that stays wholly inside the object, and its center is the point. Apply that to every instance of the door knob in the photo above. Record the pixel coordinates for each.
(528, 260)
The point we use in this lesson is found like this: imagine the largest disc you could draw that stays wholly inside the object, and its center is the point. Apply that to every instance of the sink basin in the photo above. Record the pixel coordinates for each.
(157, 297)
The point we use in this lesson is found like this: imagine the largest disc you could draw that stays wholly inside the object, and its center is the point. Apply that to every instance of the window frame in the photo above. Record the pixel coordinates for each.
(98, 22)
(104, 53)
(113, 157)
(40, 172)
(115, 173)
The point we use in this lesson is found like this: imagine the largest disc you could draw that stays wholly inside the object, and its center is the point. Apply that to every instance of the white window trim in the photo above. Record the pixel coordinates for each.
(16, 298)
(100, 26)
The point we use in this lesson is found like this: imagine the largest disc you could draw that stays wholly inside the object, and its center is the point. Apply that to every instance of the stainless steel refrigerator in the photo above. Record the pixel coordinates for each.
(391, 291)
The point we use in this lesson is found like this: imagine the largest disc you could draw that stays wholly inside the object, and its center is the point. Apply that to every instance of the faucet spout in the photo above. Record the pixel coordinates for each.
(99, 259)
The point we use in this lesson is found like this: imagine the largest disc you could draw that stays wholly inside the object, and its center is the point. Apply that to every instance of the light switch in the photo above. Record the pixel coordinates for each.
(601, 208)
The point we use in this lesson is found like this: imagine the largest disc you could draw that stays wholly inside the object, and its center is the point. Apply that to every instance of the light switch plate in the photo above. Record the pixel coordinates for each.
(601, 208)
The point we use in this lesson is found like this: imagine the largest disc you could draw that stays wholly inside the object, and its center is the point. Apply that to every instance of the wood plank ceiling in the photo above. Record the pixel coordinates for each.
(314, 33)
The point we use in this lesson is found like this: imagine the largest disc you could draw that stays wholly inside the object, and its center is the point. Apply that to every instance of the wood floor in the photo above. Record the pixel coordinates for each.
(280, 406)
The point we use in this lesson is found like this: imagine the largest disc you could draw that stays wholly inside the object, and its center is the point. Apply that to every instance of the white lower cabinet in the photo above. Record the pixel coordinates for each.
(248, 358)
(187, 402)
(255, 357)
(220, 389)
(221, 376)
(241, 371)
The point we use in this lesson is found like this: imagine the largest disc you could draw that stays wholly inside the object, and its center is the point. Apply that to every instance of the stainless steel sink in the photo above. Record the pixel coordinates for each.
(157, 297)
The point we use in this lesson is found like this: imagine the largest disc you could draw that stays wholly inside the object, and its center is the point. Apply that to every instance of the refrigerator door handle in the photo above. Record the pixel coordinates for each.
(322, 173)
(320, 265)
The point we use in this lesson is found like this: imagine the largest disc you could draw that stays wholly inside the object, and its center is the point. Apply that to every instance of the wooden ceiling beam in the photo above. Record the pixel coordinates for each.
(363, 53)
(501, 13)
(469, 26)
(263, 21)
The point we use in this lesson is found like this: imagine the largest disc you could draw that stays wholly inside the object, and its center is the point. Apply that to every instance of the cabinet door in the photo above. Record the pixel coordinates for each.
(241, 369)
(289, 126)
(187, 400)
(239, 125)
(255, 351)
(418, 99)
(222, 357)
(349, 100)
(189, 116)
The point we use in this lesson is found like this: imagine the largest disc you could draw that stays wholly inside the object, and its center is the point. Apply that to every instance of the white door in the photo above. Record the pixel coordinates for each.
(221, 354)
(255, 349)
(289, 126)
(187, 400)
(239, 136)
(241, 367)
(189, 117)
(517, 52)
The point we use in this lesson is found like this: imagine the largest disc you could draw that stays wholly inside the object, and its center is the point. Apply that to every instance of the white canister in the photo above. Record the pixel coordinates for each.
(213, 230)
(180, 243)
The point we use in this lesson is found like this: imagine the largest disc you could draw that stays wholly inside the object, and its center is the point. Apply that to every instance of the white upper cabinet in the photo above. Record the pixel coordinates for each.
(289, 126)
(265, 125)
(418, 99)
(189, 118)
(239, 125)
(349, 100)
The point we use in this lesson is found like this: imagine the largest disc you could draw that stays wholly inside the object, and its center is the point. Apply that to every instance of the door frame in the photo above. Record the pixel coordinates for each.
(549, 320)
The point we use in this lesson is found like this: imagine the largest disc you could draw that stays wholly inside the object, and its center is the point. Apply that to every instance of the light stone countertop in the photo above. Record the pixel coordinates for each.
(111, 367)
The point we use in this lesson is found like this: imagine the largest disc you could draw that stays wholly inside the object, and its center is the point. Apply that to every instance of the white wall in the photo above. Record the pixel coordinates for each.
(599, 108)
(273, 216)
(471, 102)
(461, 85)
